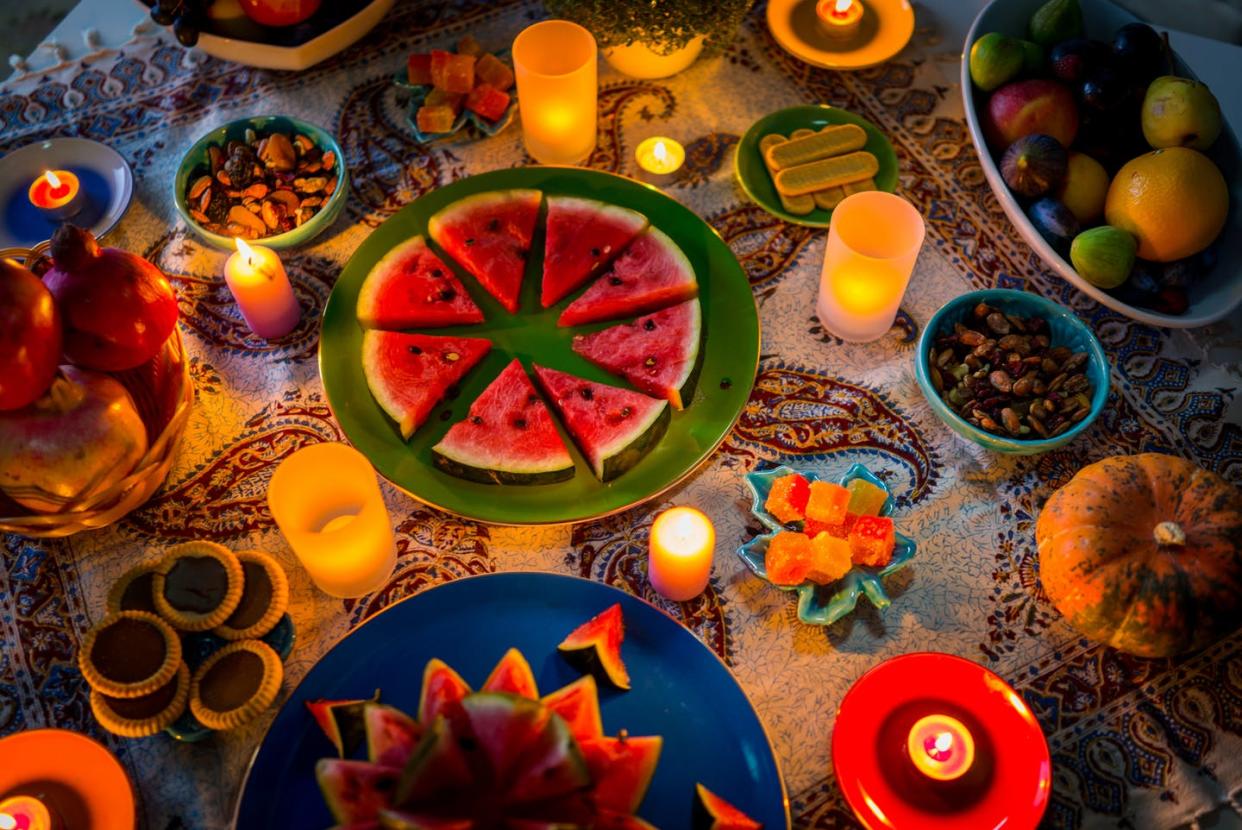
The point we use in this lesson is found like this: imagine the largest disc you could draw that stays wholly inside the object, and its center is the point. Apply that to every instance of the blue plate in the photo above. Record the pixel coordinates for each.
(823, 604)
(681, 690)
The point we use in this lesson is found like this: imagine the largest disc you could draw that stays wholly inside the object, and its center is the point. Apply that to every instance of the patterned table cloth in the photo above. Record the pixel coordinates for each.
(1136, 743)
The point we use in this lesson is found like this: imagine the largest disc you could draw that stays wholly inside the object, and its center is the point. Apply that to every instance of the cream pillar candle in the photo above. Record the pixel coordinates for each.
(556, 69)
(257, 279)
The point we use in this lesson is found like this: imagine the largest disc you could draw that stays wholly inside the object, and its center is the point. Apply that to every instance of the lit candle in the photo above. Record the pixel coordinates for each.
(24, 812)
(261, 287)
(941, 747)
(56, 192)
(683, 542)
(873, 242)
(555, 66)
(839, 19)
(660, 157)
(327, 503)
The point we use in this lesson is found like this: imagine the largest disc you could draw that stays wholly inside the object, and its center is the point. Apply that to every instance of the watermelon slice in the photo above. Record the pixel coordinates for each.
(342, 721)
(410, 373)
(581, 237)
(489, 235)
(507, 438)
(711, 812)
(651, 274)
(391, 735)
(658, 353)
(355, 791)
(412, 287)
(613, 427)
(552, 766)
(597, 642)
(621, 769)
(503, 727)
(512, 675)
(578, 704)
(443, 690)
(437, 772)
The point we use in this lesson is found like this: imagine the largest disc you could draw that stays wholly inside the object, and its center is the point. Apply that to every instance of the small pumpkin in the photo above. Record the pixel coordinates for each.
(1144, 553)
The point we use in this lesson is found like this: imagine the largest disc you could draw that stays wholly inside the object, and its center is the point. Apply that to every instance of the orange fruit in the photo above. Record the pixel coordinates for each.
(1173, 200)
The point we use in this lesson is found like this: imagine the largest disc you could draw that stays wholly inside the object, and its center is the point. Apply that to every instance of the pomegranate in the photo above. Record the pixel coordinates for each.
(118, 308)
(30, 336)
(80, 438)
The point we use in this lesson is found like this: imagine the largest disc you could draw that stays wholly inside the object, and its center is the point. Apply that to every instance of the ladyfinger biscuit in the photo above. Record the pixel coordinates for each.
(825, 173)
(768, 142)
(829, 198)
(802, 133)
(858, 187)
(829, 142)
(797, 205)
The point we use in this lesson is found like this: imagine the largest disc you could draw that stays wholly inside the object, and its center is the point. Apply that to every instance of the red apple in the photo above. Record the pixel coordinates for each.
(1033, 106)
(30, 336)
(279, 12)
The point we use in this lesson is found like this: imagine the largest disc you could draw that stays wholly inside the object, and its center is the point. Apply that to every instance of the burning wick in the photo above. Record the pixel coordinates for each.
(660, 156)
(56, 193)
(941, 747)
(839, 19)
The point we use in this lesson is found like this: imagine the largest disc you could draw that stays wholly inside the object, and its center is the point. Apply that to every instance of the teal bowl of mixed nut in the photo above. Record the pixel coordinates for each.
(1012, 371)
(271, 179)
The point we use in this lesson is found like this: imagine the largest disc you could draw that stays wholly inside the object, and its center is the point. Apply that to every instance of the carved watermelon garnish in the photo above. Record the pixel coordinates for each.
(342, 721)
(578, 704)
(512, 675)
(597, 644)
(391, 734)
(711, 812)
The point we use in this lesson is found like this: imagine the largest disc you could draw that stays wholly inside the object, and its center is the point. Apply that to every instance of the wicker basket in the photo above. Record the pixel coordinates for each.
(163, 393)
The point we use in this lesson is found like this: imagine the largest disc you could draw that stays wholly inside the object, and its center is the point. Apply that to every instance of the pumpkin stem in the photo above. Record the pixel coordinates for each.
(1169, 533)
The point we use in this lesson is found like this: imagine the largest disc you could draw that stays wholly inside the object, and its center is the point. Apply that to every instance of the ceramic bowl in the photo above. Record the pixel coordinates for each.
(194, 163)
(1065, 330)
(822, 604)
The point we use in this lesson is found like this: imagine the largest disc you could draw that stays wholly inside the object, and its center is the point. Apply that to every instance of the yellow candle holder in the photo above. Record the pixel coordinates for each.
(555, 65)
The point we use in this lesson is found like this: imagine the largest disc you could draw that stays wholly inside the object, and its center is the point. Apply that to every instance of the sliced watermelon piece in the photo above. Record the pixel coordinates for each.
(582, 236)
(613, 427)
(412, 287)
(391, 734)
(711, 812)
(658, 353)
(410, 373)
(355, 791)
(597, 642)
(651, 274)
(443, 690)
(503, 726)
(552, 766)
(341, 721)
(401, 820)
(578, 704)
(512, 675)
(508, 437)
(489, 235)
(437, 773)
(621, 769)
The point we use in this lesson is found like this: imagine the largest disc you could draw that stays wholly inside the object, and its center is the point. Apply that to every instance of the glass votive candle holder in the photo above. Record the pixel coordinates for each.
(873, 242)
(555, 65)
(326, 501)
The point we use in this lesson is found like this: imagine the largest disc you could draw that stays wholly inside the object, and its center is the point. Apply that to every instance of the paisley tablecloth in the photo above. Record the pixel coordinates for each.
(1136, 743)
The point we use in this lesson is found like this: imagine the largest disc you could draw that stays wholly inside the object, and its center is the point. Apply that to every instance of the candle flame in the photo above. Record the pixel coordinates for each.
(7, 822)
(660, 151)
(843, 6)
(246, 251)
(943, 743)
(54, 181)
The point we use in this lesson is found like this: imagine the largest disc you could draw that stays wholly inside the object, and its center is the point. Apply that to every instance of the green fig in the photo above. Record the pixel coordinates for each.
(1103, 256)
(995, 59)
(1055, 21)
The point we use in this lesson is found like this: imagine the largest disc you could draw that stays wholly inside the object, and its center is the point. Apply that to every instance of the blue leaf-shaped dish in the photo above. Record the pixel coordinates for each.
(823, 604)
(418, 93)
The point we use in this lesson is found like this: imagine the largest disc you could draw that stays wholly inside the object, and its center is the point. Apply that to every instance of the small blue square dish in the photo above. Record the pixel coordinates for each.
(823, 604)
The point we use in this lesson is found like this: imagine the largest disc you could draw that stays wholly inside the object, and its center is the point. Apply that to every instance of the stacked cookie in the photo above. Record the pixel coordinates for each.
(134, 659)
(818, 169)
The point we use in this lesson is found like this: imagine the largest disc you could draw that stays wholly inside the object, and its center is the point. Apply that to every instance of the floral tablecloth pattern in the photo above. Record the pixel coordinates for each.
(1135, 743)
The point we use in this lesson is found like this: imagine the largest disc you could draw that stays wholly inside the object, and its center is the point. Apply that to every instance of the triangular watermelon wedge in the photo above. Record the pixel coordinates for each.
(581, 237)
(508, 437)
(412, 287)
(658, 353)
(712, 812)
(489, 235)
(409, 373)
(651, 274)
(613, 427)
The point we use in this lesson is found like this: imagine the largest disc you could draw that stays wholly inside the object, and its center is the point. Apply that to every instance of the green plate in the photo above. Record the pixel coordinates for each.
(757, 182)
(730, 359)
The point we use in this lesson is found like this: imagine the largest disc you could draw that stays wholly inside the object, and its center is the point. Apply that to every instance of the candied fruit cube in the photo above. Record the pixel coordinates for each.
(813, 528)
(865, 498)
(828, 502)
(787, 498)
(469, 46)
(437, 119)
(872, 541)
(452, 73)
(439, 98)
(487, 101)
(788, 558)
(419, 69)
(494, 72)
(830, 559)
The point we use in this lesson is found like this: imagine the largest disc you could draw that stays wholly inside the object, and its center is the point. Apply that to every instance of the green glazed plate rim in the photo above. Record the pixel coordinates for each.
(727, 374)
(753, 174)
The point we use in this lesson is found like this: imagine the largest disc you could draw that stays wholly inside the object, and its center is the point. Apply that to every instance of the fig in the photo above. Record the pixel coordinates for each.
(1055, 21)
(995, 59)
(1103, 256)
(1055, 223)
(30, 336)
(1071, 60)
(1034, 164)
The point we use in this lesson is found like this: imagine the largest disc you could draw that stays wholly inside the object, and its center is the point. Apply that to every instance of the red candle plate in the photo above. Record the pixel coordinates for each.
(92, 791)
(1008, 783)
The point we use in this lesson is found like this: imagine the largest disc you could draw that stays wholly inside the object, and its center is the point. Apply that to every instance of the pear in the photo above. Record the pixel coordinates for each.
(1179, 112)
(1055, 21)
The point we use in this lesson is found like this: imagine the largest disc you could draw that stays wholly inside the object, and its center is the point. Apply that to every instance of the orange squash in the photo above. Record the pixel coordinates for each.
(1144, 553)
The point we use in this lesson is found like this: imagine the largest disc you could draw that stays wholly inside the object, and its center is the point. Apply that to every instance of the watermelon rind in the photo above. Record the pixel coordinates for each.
(387, 297)
(498, 264)
(711, 812)
(653, 273)
(342, 721)
(512, 675)
(562, 271)
(597, 645)
(408, 388)
(391, 734)
(355, 791)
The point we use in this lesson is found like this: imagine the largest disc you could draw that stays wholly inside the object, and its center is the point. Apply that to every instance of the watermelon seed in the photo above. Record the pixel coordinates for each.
(626, 412)
(586, 393)
(615, 281)
(452, 357)
(469, 242)
(531, 400)
(651, 361)
(447, 294)
(520, 423)
(415, 350)
(476, 420)
(649, 325)
(726, 384)
(493, 225)
(596, 252)
(437, 273)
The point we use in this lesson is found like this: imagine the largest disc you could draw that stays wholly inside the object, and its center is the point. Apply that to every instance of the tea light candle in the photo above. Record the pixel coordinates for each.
(24, 812)
(941, 747)
(554, 63)
(683, 543)
(56, 193)
(873, 242)
(257, 279)
(326, 501)
(840, 19)
(660, 157)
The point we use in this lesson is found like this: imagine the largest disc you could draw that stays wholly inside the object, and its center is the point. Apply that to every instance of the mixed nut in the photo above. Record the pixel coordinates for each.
(262, 186)
(1001, 373)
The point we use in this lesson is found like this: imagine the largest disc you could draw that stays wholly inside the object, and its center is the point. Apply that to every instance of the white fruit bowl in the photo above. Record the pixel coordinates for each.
(1219, 291)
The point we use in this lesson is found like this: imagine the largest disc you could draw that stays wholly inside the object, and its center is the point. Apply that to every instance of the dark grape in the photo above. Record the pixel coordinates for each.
(1103, 90)
(1138, 50)
(186, 29)
(161, 15)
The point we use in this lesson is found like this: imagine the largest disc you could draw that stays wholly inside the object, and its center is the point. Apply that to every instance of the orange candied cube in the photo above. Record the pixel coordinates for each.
(439, 98)
(469, 46)
(435, 119)
(841, 531)
(830, 559)
(872, 541)
(487, 101)
(452, 73)
(788, 558)
(787, 498)
(828, 503)
(419, 69)
(865, 498)
(493, 71)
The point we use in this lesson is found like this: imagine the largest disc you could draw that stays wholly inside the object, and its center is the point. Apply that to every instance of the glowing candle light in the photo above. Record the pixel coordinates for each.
(554, 63)
(840, 19)
(660, 156)
(261, 287)
(24, 812)
(683, 542)
(941, 747)
(56, 193)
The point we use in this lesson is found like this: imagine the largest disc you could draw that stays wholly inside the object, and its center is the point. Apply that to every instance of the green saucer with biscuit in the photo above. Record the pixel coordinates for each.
(835, 163)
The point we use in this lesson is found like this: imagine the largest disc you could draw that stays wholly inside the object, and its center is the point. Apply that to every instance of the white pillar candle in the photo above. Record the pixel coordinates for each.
(257, 279)
(682, 545)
